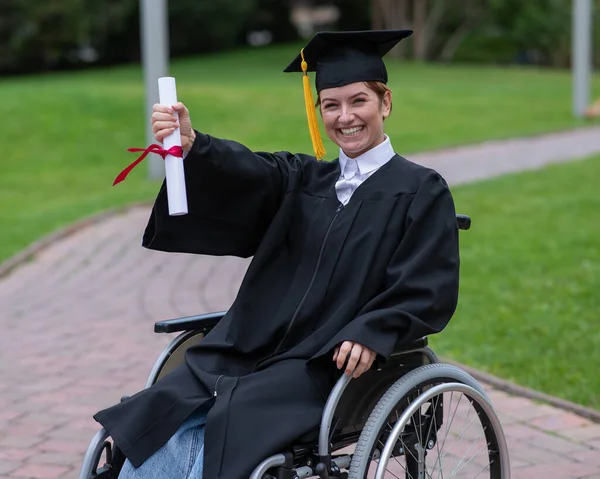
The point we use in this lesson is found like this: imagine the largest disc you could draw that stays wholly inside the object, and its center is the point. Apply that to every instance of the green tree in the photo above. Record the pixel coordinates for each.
(38, 35)
(206, 25)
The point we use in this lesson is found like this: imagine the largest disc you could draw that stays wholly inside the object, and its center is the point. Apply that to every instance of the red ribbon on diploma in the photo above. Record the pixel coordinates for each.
(154, 148)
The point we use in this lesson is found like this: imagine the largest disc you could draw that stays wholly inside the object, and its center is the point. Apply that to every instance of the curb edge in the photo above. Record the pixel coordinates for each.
(522, 391)
(29, 252)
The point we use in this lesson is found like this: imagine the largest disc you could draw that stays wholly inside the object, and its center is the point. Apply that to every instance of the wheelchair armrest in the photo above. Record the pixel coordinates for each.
(200, 321)
(463, 221)
(404, 348)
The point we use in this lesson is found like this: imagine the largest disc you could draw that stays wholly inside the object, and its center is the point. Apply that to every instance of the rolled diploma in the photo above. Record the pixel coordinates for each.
(176, 194)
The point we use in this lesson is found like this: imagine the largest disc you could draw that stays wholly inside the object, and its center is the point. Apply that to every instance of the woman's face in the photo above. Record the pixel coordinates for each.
(353, 117)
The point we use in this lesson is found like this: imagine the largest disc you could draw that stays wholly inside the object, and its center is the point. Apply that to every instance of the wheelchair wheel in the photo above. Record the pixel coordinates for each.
(435, 421)
(100, 447)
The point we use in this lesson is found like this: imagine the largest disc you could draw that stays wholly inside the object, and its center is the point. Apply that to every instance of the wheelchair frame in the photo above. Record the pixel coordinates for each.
(198, 326)
(194, 328)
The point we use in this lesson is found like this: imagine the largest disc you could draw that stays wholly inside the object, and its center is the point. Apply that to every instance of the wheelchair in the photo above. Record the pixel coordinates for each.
(394, 421)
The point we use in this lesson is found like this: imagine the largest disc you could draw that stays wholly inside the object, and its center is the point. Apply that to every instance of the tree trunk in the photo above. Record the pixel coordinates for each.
(401, 15)
(398, 18)
(452, 44)
(377, 15)
(426, 25)
(419, 19)
(391, 15)
(474, 13)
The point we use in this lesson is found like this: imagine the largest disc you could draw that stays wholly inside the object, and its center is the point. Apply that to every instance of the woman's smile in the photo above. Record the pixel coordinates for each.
(354, 131)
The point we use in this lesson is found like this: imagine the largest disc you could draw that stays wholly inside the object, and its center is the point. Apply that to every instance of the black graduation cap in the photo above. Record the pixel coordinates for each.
(341, 58)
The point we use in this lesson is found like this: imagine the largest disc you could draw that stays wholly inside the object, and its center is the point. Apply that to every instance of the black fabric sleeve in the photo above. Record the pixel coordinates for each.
(421, 285)
(232, 196)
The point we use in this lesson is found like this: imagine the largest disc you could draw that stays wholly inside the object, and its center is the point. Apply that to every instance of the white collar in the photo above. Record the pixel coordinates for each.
(371, 159)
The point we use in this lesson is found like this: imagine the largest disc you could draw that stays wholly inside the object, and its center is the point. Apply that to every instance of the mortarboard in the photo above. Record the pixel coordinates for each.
(341, 58)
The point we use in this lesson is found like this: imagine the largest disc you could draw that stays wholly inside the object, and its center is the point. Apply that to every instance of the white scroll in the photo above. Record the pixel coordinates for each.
(176, 194)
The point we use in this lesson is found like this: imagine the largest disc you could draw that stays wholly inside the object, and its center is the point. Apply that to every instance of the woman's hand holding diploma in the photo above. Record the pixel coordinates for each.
(166, 119)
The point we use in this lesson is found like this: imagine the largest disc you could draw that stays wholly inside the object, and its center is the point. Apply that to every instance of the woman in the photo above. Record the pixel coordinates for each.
(351, 258)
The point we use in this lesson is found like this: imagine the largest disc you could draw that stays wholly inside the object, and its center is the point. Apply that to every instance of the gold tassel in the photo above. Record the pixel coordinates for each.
(313, 123)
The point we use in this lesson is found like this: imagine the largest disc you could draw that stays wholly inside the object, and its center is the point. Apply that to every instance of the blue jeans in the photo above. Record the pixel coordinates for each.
(182, 457)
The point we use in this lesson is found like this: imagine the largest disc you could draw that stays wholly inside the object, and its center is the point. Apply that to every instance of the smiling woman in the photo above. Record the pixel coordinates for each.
(353, 116)
(351, 258)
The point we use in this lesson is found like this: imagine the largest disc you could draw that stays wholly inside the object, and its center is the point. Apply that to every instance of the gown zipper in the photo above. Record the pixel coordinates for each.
(217, 385)
(312, 280)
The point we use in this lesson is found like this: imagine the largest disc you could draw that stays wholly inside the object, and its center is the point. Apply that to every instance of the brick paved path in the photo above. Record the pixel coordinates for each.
(76, 332)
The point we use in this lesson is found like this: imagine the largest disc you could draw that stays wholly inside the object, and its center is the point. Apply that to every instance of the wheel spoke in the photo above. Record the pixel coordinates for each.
(399, 463)
(458, 466)
(381, 443)
(377, 463)
(462, 432)
(437, 444)
(417, 431)
(450, 423)
(395, 458)
(411, 453)
(458, 446)
(482, 469)
(482, 432)
(485, 446)
(449, 408)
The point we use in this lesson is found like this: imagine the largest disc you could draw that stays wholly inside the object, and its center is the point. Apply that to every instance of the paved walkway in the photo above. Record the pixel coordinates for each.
(76, 331)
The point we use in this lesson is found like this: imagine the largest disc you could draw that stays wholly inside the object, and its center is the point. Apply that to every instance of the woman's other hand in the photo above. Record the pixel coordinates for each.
(164, 122)
(360, 358)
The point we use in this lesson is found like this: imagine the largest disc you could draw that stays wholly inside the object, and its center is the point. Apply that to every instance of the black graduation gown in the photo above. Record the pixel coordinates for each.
(379, 271)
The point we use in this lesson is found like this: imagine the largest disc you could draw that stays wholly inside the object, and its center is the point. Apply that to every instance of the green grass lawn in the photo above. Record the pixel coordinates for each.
(530, 302)
(65, 135)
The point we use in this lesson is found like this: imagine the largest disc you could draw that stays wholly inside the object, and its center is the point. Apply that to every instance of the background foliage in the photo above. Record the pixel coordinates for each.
(38, 35)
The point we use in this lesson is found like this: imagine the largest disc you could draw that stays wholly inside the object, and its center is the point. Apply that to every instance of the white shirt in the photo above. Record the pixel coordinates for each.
(356, 170)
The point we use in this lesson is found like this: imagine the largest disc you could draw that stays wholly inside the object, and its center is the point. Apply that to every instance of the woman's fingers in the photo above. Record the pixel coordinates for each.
(162, 129)
(360, 358)
(181, 109)
(355, 355)
(160, 116)
(163, 125)
(372, 359)
(164, 110)
(158, 108)
(162, 134)
(164, 122)
(361, 366)
(366, 361)
(345, 348)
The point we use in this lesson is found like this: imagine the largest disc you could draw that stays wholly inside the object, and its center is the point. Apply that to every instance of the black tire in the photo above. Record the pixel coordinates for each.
(409, 387)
